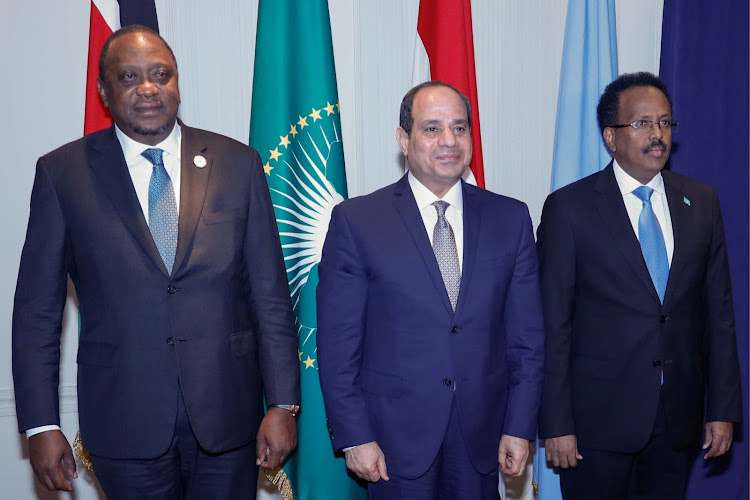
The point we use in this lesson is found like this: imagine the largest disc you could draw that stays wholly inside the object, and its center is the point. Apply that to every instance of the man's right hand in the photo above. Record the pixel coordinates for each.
(367, 461)
(52, 460)
(562, 451)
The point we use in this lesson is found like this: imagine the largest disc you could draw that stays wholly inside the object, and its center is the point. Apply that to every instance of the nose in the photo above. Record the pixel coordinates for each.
(656, 130)
(147, 88)
(447, 138)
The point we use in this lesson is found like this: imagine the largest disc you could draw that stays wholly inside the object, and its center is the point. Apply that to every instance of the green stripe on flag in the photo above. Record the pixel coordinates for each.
(295, 126)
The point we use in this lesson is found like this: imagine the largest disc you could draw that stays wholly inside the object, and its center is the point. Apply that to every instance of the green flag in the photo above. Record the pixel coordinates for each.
(295, 127)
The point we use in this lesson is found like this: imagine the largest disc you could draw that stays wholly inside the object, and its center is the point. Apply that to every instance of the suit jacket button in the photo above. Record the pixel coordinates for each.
(657, 363)
(171, 289)
(662, 319)
(447, 382)
(455, 329)
(170, 341)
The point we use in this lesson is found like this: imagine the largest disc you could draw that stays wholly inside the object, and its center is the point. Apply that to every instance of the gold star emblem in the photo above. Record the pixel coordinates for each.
(315, 115)
(299, 354)
(338, 107)
(267, 168)
(309, 363)
(285, 141)
(302, 122)
(275, 154)
(329, 108)
(293, 130)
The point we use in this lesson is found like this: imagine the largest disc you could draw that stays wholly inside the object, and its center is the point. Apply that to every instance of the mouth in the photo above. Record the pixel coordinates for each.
(656, 150)
(146, 110)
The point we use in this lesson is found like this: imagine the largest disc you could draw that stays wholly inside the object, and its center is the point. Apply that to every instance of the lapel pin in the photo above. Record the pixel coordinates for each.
(200, 162)
(685, 199)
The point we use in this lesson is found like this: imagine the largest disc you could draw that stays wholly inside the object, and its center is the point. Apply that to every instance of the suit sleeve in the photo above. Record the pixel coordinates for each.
(38, 308)
(723, 374)
(270, 291)
(525, 338)
(556, 248)
(342, 303)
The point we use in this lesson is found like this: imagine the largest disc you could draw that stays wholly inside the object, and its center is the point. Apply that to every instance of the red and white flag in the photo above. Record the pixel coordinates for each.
(444, 51)
(106, 17)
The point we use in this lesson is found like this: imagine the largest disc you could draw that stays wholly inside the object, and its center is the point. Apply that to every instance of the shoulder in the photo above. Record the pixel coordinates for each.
(218, 143)
(493, 201)
(376, 200)
(688, 186)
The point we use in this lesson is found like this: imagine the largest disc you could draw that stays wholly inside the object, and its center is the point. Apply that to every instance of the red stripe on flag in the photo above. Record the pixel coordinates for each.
(96, 116)
(445, 29)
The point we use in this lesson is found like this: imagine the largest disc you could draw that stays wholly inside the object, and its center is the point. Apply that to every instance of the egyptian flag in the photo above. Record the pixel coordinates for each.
(107, 16)
(444, 51)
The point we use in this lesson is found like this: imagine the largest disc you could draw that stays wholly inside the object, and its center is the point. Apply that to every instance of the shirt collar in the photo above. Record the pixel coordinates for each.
(132, 149)
(425, 197)
(628, 184)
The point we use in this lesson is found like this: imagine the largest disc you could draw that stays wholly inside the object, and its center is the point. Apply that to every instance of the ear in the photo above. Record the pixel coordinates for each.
(403, 140)
(609, 139)
(102, 91)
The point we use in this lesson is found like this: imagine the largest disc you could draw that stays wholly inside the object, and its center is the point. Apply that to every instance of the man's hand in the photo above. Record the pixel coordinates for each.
(563, 451)
(718, 437)
(512, 455)
(52, 460)
(277, 437)
(368, 462)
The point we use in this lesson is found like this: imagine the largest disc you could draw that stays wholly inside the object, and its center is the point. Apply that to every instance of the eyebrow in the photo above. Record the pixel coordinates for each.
(461, 121)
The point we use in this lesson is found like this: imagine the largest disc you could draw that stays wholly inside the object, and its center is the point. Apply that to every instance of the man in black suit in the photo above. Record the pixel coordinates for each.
(638, 312)
(169, 237)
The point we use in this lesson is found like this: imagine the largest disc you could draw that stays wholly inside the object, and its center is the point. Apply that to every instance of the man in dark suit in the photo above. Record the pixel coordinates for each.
(638, 312)
(430, 340)
(169, 237)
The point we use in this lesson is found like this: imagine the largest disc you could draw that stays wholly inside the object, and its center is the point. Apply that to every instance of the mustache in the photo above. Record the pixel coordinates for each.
(655, 144)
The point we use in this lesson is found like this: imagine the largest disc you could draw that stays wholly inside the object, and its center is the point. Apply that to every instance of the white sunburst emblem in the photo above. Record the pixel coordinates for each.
(299, 177)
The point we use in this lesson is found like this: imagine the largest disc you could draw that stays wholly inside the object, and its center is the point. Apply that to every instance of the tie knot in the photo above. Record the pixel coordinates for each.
(154, 156)
(441, 206)
(644, 193)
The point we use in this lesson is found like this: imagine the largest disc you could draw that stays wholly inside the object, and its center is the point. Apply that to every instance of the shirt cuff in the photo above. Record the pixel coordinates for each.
(38, 430)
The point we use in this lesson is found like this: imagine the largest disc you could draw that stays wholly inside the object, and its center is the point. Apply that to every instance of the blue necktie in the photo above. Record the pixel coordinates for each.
(446, 253)
(652, 242)
(162, 208)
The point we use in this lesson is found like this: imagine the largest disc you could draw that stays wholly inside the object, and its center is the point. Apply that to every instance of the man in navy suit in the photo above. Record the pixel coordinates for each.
(169, 237)
(430, 340)
(638, 313)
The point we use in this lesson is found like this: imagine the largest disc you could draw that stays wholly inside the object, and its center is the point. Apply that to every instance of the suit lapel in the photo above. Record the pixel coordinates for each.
(615, 218)
(472, 219)
(108, 163)
(679, 213)
(193, 185)
(406, 206)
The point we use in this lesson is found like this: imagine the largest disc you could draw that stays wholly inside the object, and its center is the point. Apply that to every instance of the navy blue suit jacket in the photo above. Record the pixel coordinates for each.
(609, 337)
(389, 344)
(220, 327)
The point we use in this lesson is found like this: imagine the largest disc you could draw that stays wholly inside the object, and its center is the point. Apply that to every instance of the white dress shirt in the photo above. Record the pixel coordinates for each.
(454, 213)
(140, 172)
(634, 205)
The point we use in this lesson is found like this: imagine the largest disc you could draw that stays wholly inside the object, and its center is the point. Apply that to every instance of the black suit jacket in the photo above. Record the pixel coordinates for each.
(608, 337)
(220, 327)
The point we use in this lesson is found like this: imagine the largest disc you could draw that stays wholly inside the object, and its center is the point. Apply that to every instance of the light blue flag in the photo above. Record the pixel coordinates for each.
(589, 63)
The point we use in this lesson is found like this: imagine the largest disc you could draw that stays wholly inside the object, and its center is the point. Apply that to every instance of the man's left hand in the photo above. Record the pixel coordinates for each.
(718, 437)
(277, 437)
(512, 455)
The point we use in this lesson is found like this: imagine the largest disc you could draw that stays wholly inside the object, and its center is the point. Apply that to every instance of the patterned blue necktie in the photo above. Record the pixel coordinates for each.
(652, 242)
(162, 208)
(444, 246)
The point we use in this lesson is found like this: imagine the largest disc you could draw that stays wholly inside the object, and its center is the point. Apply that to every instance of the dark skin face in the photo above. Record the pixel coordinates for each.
(641, 154)
(140, 87)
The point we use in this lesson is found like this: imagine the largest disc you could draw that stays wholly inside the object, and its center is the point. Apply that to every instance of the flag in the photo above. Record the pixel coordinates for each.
(444, 50)
(295, 126)
(704, 63)
(106, 17)
(589, 64)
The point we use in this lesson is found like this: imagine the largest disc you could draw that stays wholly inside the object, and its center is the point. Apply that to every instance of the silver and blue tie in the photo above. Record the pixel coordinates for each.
(446, 253)
(162, 208)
